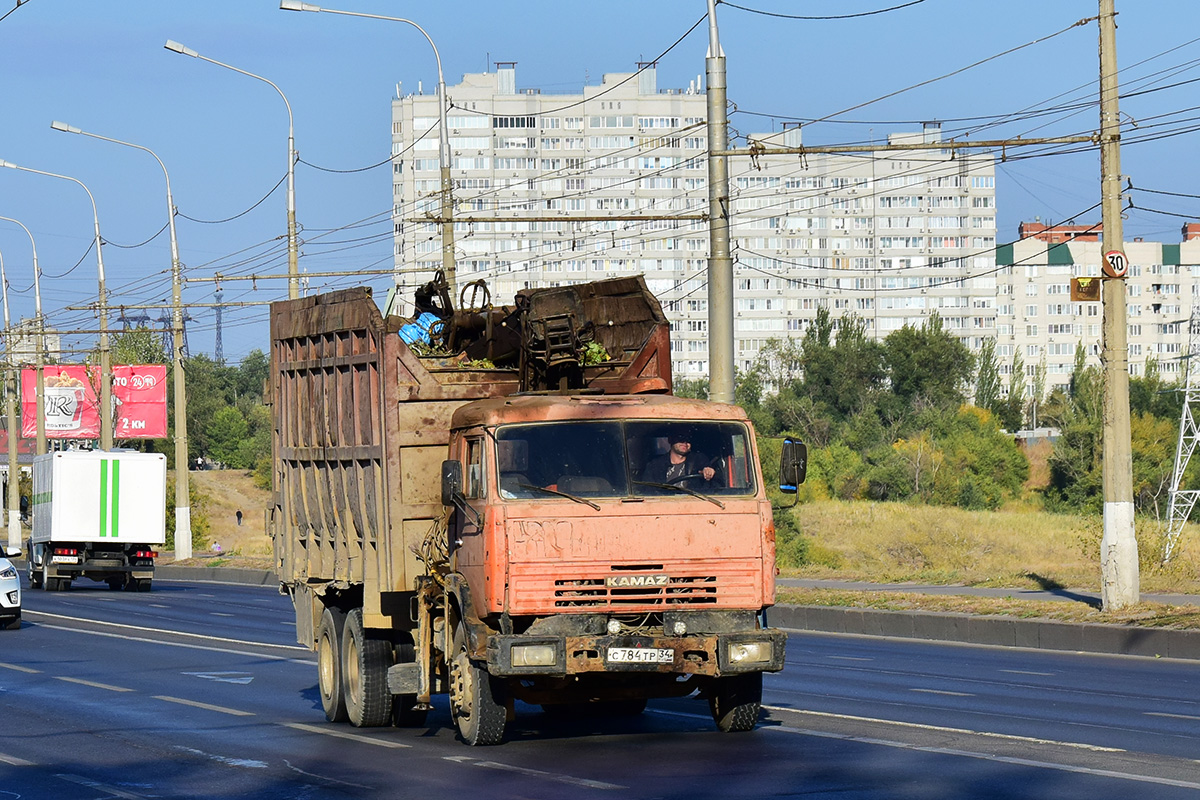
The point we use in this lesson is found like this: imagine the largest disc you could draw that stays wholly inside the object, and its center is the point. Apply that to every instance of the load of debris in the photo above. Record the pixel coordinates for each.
(556, 337)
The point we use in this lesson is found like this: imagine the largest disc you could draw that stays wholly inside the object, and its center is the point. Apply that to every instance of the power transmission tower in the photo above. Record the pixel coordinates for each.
(168, 339)
(1182, 500)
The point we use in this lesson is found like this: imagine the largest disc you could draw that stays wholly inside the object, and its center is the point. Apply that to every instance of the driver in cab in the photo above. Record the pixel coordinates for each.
(680, 465)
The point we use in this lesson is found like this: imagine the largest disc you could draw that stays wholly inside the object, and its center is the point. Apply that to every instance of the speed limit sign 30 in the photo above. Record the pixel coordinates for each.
(1115, 264)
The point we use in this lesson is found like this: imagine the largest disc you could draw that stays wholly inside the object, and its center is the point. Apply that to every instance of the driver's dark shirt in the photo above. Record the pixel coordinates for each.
(661, 470)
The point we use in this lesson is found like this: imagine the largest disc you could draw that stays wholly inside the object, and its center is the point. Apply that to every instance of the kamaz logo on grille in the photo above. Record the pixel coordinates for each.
(634, 581)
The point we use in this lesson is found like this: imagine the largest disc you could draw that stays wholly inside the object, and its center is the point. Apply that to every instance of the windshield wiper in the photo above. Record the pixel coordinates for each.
(681, 488)
(560, 494)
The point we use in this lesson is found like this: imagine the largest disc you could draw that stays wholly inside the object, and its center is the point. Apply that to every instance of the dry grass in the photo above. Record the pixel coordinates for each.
(1019, 547)
(1155, 615)
(225, 492)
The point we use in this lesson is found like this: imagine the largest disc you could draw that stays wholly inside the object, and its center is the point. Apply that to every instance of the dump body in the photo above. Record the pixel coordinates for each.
(508, 545)
(99, 515)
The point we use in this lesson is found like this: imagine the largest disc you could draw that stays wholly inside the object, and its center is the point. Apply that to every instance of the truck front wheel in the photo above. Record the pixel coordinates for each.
(365, 663)
(329, 664)
(473, 704)
(735, 701)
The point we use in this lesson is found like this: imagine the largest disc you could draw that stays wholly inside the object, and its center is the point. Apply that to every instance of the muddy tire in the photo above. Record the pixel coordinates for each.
(404, 715)
(735, 702)
(365, 663)
(477, 712)
(329, 664)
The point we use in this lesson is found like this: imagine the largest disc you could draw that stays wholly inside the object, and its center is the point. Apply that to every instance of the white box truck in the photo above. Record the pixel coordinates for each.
(97, 515)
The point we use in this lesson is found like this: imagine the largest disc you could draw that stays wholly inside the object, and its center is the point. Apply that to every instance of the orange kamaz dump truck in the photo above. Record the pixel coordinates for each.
(490, 502)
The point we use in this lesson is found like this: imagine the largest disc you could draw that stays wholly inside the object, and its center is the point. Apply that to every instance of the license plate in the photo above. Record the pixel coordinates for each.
(641, 655)
(64, 560)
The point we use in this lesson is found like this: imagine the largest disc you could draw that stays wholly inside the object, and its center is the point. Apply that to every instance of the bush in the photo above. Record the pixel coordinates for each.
(791, 546)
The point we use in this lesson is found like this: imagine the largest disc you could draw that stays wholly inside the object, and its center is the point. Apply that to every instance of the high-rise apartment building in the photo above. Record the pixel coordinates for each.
(1036, 318)
(553, 189)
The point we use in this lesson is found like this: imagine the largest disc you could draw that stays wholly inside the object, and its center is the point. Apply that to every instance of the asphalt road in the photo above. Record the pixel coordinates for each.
(197, 690)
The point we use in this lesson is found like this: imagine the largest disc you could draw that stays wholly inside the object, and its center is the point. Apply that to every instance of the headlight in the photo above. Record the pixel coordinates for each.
(749, 652)
(8, 572)
(534, 655)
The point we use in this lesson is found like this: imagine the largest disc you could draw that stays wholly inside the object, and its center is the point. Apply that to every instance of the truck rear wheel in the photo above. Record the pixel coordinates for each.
(404, 713)
(365, 663)
(477, 713)
(329, 664)
(735, 702)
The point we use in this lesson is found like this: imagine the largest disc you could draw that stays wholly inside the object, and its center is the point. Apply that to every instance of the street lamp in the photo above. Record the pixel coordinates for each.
(183, 509)
(39, 358)
(293, 250)
(106, 410)
(10, 407)
(447, 211)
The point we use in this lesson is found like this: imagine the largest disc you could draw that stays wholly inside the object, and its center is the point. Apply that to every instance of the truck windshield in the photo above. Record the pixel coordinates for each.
(620, 459)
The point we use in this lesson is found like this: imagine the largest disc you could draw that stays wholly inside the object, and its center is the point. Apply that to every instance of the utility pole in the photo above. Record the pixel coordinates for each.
(720, 263)
(1119, 583)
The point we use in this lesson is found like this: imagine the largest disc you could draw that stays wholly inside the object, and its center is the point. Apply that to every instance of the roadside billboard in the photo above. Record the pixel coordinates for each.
(72, 404)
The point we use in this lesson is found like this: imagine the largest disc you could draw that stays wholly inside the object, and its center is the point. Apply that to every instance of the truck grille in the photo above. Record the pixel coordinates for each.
(592, 592)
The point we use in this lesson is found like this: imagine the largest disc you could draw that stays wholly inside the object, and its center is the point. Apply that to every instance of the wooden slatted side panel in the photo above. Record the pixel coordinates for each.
(329, 439)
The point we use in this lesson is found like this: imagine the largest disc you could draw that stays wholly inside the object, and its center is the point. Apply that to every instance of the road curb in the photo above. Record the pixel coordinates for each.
(237, 575)
(1001, 631)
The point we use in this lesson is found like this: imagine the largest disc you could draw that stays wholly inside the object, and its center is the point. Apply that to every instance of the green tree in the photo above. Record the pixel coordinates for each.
(928, 362)
(1012, 409)
(987, 378)
(845, 374)
(251, 375)
(137, 346)
(227, 432)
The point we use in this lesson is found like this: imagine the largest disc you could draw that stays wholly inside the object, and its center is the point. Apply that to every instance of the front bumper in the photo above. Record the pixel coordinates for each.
(10, 598)
(709, 655)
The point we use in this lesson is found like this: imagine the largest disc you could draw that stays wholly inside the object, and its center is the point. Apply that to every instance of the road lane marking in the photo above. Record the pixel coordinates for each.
(239, 678)
(103, 787)
(1029, 672)
(19, 668)
(536, 773)
(942, 691)
(1023, 762)
(236, 712)
(219, 614)
(337, 734)
(943, 729)
(144, 629)
(1172, 716)
(158, 605)
(14, 761)
(187, 645)
(93, 684)
(849, 658)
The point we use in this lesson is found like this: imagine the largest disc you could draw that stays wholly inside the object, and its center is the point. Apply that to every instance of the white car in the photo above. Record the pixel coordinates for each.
(10, 592)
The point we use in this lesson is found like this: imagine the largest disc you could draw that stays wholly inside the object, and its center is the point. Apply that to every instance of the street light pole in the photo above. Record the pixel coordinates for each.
(39, 358)
(1119, 579)
(183, 509)
(106, 409)
(447, 187)
(10, 408)
(293, 248)
(720, 263)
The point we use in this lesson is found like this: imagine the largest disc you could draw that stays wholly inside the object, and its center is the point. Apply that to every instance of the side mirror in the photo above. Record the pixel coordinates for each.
(12, 552)
(793, 465)
(452, 481)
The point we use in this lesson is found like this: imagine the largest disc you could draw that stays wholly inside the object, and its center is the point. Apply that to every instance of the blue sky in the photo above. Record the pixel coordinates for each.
(100, 65)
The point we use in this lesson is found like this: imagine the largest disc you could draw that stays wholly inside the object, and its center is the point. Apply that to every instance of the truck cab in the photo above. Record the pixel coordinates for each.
(598, 570)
